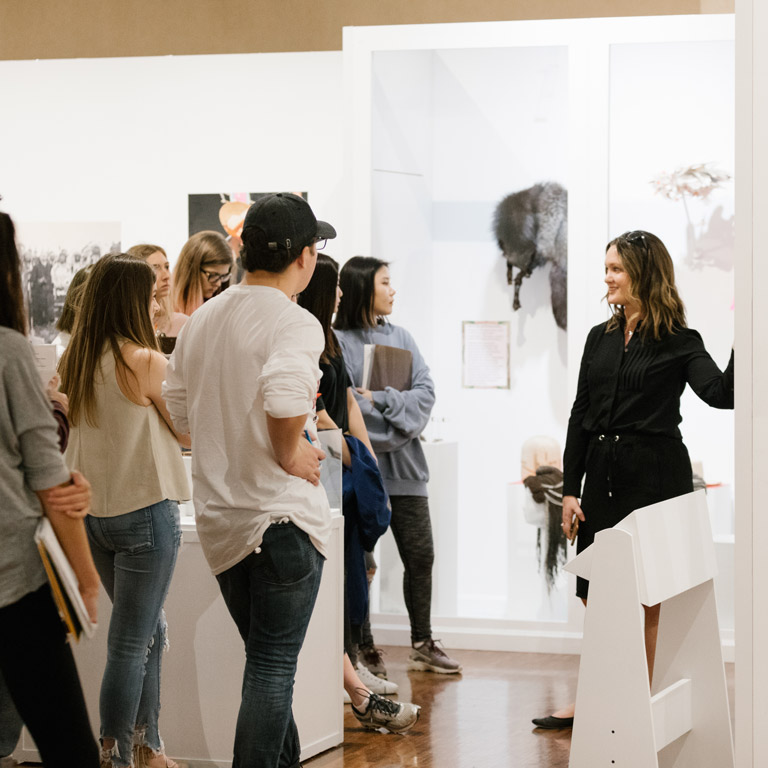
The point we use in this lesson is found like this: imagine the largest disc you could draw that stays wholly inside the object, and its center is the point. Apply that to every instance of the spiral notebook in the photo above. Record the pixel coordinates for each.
(63, 581)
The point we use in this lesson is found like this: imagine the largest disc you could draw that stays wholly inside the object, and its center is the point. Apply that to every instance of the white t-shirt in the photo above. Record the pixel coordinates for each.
(245, 353)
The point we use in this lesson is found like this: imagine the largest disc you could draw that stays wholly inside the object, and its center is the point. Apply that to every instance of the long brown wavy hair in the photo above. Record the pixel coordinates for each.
(12, 314)
(651, 285)
(202, 249)
(114, 308)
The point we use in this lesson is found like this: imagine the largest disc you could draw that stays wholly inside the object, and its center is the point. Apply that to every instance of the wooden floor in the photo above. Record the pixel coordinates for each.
(480, 719)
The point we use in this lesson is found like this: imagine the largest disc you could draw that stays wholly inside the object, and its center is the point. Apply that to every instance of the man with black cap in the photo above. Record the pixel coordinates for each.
(243, 381)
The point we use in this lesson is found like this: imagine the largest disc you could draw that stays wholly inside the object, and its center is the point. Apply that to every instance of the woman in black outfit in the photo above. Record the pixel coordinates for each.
(623, 433)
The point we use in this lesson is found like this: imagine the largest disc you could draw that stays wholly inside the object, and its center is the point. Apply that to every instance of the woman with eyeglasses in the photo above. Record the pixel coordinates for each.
(167, 322)
(122, 436)
(623, 435)
(203, 270)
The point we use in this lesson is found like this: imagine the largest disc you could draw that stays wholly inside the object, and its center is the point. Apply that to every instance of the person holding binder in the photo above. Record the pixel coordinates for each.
(338, 409)
(122, 438)
(396, 400)
(37, 669)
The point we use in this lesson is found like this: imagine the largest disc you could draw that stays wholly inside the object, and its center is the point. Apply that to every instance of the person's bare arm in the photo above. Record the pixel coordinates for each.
(68, 525)
(152, 387)
(294, 453)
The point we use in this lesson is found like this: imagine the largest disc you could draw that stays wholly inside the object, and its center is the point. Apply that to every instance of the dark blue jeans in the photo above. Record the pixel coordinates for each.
(270, 595)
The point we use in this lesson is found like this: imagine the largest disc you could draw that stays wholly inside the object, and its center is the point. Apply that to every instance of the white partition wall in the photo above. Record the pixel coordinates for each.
(751, 383)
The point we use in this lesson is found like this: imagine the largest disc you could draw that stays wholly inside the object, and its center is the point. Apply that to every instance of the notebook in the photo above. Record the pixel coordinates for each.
(385, 366)
(63, 582)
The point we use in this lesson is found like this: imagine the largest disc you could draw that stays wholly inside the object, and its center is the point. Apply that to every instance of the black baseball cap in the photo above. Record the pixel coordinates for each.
(287, 221)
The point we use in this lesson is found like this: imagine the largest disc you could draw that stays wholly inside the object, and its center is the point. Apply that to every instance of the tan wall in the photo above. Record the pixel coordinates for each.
(50, 29)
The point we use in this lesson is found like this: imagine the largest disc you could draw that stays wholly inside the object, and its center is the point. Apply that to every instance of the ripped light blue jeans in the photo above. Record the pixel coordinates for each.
(135, 555)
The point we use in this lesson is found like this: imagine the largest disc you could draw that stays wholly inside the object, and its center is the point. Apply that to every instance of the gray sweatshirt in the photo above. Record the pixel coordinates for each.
(394, 420)
(29, 461)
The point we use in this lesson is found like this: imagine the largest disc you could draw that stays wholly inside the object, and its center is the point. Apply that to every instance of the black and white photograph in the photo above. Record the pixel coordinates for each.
(51, 254)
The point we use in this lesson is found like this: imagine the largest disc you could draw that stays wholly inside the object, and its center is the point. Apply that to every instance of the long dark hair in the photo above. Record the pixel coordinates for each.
(12, 314)
(652, 286)
(357, 282)
(114, 308)
(319, 298)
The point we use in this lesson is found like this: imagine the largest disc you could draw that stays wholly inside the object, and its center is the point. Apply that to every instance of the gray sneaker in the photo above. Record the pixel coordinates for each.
(371, 656)
(429, 657)
(383, 713)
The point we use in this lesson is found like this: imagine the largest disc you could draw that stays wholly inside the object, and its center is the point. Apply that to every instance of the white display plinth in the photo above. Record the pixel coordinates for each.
(203, 670)
(662, 553)
(442, 491)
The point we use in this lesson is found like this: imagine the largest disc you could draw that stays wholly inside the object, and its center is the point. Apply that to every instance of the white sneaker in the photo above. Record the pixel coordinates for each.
(347, 700)
(373, 683)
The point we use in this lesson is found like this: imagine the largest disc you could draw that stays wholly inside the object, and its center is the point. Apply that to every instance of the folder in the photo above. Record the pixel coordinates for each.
(64, 584)
(385, 366)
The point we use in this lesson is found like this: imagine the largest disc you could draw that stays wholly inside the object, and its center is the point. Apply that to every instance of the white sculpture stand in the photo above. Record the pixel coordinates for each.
(664, 554)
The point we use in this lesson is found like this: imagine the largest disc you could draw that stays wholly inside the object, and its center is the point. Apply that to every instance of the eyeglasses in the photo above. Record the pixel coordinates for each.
(320, 244)
(214, 278)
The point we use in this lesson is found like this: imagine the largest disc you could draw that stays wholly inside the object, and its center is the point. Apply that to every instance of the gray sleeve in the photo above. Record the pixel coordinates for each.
(32, 421)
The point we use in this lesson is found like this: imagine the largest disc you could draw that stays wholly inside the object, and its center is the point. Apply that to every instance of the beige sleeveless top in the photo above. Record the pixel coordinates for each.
(131, 459)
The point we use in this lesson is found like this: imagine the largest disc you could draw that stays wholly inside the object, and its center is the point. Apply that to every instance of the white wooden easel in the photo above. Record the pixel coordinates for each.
(659, 554)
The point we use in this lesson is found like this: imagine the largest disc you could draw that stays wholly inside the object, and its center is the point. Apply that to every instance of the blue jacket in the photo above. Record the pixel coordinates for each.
(367, 513)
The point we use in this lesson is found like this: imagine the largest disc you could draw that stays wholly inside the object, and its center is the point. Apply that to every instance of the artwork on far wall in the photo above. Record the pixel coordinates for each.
(710, 235)
(531, 227)
(51, 253)
(224, 212)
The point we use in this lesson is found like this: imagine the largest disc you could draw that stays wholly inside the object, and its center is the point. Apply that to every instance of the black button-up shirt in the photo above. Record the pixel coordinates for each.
(637, 390)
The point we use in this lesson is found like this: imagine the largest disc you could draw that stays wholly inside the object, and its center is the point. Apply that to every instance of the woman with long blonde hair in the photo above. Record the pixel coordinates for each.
(202, 271)
(123, 438)
(167, 322)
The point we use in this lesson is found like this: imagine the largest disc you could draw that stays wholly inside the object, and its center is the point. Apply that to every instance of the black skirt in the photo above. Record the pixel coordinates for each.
(624, 473)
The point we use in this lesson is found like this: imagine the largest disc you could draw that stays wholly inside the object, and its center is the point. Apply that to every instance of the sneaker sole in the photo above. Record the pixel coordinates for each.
(422, 666)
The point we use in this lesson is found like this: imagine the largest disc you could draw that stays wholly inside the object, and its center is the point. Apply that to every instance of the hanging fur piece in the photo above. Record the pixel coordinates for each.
(547, 486)
(531, 227)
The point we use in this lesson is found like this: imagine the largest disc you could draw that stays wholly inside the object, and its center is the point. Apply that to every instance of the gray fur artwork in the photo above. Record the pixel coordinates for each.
(531, 227)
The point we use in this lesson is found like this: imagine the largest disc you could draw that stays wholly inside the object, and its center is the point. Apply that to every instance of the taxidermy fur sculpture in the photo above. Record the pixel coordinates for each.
(531, 227)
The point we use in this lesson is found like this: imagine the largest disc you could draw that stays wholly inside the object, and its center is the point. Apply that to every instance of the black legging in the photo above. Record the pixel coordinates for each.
(412, 530)
(41, 675)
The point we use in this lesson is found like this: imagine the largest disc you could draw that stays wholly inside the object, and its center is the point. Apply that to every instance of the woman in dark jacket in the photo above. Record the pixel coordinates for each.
(623, 433)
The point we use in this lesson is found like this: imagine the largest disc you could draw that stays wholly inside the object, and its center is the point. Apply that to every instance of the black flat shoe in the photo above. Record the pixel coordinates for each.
(552, 722)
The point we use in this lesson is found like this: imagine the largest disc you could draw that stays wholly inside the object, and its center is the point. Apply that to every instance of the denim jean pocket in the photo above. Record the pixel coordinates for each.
(130, 533)
(288, 556)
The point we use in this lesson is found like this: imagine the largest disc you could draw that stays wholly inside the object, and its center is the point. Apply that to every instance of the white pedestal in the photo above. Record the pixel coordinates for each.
(659, 554)
(203, 670)
(442, 489)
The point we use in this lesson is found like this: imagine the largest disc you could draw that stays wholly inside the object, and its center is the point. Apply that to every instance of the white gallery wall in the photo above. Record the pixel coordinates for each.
(127, 140)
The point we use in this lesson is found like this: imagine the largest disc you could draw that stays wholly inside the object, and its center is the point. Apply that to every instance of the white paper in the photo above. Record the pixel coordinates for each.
(485, 354)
